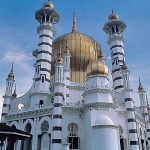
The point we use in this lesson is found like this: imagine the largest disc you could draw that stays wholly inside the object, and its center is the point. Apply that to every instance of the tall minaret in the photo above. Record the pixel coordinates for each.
(10, 81)
(47, 17)
(114, 28)
(129, 105)
(58, 102)
(144, 109)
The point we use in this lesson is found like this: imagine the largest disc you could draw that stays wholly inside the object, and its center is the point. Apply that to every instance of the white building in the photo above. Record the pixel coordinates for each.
(71, 104)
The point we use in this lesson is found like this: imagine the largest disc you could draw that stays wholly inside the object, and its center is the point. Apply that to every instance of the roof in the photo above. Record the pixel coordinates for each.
(11, 132)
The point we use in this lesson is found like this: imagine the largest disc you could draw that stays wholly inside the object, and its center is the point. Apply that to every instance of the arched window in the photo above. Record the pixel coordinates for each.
(44, 126)
(41, 103)
(27, 144)
(43, 78)
(117, 30)
(47, 18)
(113, 30)
(73, 138)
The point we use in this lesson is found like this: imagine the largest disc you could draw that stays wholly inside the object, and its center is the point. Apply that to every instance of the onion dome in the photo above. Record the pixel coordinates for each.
(113, 16)
(83, 50)
(49, 5)
(140, 88)
(97, 68)
(11, 74)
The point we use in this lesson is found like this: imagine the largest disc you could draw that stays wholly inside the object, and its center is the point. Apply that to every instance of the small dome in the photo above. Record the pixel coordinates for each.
(59, 60)
(97, 67)
(49, 5)
(103, 120)
(14, 95)
(113, 16)
(11, 76)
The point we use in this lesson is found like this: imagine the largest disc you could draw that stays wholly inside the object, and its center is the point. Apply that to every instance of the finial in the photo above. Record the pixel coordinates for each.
(140, 88)
(112, 11)
(74, 28)
(11, 74)
(12, 68)
(67, 51)
(59, 58)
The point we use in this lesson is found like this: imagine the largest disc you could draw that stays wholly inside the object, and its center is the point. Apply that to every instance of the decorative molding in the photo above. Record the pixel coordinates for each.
(106, 126)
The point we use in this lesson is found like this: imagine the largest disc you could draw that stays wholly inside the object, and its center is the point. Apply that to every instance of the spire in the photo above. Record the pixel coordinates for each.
(74, 27)
(12, 67)
(11, 74)
(140, 88)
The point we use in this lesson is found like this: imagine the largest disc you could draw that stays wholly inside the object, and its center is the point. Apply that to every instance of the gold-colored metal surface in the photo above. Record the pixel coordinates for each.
(83, 50)
(97, 67)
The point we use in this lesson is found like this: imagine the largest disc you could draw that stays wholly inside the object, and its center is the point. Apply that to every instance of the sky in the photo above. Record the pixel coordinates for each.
(18, 37)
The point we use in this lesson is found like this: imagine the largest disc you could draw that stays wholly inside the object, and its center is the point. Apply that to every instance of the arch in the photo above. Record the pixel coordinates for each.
(27, 144)
(15, 123)
(48, 119)
(45, 126)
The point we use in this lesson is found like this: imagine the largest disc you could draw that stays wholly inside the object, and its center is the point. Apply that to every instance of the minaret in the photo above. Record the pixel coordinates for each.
(67, 57)
(129, 105)
(47, 17)
(10, 81)
(144, 109)
(114, 28)
(58, 102)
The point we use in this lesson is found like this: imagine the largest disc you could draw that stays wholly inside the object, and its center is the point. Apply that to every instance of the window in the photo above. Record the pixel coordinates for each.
(117, 30)
(113, 30)
(73, 138)
(43, 78)
(116, 61)
(41, 103)
(47, 18)
(44, 126)
(122, 143)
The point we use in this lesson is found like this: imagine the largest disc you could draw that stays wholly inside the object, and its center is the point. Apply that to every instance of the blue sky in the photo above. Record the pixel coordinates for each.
(18, 37)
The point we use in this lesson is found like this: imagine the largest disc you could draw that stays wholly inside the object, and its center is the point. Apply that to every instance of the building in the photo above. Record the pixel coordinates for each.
(71, 104)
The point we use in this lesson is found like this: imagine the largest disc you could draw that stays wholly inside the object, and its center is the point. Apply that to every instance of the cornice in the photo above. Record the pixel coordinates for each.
(29, 114)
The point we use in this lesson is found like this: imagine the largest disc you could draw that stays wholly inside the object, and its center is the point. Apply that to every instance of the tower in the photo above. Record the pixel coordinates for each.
(47, 17)
(67, 73)
(58, 102)
(10, 81)
(144, 109)
(129, 105)
(114, 28)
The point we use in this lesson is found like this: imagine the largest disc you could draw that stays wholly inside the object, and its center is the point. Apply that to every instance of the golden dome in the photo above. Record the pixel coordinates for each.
(83, 50)
(97, 67)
